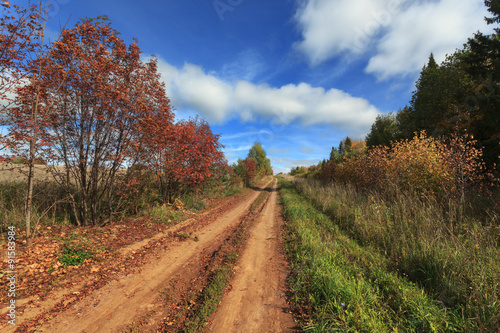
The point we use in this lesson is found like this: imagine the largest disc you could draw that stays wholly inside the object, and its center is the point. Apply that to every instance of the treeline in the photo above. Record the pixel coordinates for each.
(90, 108)
(460, 96)
(446, 140)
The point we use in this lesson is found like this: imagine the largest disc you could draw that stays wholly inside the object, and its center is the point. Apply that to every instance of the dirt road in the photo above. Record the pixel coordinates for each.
(154, 299)
(256, 302)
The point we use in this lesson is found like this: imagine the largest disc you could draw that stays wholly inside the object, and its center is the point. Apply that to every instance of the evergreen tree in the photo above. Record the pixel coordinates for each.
(437, 104)
(335, 155)
(383, 131)
(424, 102)
(481, 60)
(345, 147)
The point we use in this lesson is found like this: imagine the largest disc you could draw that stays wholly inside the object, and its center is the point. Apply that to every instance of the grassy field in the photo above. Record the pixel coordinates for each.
(363, 263)
(18, 173)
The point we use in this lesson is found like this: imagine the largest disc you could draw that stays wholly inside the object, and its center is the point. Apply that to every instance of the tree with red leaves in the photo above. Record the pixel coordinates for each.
(19, 31)
(246, 169)
(99, 92)
(184, 156)
(23, 55)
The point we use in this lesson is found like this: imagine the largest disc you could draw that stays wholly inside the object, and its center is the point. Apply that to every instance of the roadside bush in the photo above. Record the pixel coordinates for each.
(423, 164)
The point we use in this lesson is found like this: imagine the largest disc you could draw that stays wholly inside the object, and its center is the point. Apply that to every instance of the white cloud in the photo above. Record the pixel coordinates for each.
(333, 27)
(218, 100)
(438, 27)
(400, 33)
(190, 87)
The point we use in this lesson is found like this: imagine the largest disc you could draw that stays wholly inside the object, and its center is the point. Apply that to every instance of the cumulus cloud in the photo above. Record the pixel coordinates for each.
(218, 100)
(400, 33)
(190, 87)
(332, 27)
(438, 27)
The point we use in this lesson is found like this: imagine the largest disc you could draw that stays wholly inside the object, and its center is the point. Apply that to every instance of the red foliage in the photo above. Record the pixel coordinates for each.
(251, 169)
(184, 155)
(94, 93)
(19, 30)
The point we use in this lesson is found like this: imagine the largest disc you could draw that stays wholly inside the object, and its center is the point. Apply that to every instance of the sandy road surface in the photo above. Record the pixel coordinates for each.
(256, 302)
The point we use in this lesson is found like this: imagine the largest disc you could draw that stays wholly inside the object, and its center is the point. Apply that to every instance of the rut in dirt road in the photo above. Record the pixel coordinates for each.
(256, 302)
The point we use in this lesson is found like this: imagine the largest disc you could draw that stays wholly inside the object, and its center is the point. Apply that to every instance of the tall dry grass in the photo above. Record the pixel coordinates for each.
(449, 246)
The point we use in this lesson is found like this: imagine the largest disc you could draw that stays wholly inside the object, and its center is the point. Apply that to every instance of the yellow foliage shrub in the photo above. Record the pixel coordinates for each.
(422, 164)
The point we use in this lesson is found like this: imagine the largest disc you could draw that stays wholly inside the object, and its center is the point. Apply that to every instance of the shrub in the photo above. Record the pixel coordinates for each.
(423, 164)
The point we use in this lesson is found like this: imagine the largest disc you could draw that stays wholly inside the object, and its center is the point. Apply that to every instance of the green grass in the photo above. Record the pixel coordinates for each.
(75, 251)
(343, 285)
(450, 251)
(212, 295)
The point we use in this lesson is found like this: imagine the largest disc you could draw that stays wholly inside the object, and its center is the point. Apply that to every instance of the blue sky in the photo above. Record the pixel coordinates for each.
(296, 75)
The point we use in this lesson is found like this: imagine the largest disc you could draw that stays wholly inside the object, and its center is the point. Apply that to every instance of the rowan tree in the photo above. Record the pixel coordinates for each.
(99, 92)
(23, 56)
(184, 155)
(19, 31)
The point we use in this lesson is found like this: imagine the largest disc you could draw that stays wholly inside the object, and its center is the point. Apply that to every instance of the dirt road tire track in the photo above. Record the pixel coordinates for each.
(256, 302)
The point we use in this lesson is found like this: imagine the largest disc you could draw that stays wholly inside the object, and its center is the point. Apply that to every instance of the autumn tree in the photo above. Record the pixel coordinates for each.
(259, 155)
(19, 31)
(92, 126)
(184, 156)
(246, 169)
(251, 169)
(23, 57)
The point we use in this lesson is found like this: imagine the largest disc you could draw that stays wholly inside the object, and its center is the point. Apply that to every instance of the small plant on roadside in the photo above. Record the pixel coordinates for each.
(74, 252)
(166, 214)
(76, 258)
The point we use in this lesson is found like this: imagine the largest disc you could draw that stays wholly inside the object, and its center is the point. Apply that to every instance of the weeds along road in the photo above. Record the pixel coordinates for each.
(169, 287)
